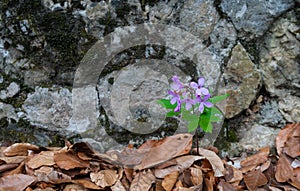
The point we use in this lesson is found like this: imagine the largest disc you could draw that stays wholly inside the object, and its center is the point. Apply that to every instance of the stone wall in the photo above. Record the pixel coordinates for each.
(254, 44)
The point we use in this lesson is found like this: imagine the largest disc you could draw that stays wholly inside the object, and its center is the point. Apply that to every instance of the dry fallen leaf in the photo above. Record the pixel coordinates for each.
(118, 186)
(182, 163)
(20, 149)
(16, 182)
(170, 180)
(225, 186)
(284, 171)
(285, 134)
(50, 175)
(292, 145)
(104, 178)
(255, 179)
(166, 149)
(15, 159)
(74, 187)
(142, 181)
(256, 159)
(295, 179)
(87, 183)
(233, 174)
(214, 160)
(197, 176)
(68, 160)
(44, 158)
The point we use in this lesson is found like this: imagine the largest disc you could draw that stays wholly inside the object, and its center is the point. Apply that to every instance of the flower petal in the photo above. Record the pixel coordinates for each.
(173, 100)
(201, 81)
(201, 107)
(208, 104)
(194, 85)
(204, 91)
(177, 107)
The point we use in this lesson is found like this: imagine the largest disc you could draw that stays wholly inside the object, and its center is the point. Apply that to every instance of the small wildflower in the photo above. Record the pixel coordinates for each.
(203, 102)
(199, 89)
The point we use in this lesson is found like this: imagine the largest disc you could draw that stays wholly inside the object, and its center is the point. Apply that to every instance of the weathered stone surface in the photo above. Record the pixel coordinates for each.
(254, 17)
(199, 17)
(269, 115)
(222, 38)
(289, 107)
(49, 108)
(279, 57)
(258, 136)
(10, 91)
(242, 81)
(8, 111)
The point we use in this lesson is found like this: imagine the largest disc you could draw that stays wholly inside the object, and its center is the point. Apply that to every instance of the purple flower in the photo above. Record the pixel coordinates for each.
(176, 85)
(175, 99)
(189, 103)
(199, 89)
(203, 102)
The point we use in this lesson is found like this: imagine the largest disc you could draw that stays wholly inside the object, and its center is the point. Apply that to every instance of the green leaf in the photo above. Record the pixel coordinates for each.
(167, 103)
(205, 124)
(172, 113)
(192, 125)
(215, 114)
(218, 98)
(188, 116)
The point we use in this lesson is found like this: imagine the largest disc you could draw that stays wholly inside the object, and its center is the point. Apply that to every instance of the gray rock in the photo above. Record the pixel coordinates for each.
(35, 77)
(289, 107)
(269, 115)
(254, 17)
(49, 108)
(258, 136)
(279, 57)
(8, 111)
(10, 91)
(242, 81)
(199, 17)
(223, 38)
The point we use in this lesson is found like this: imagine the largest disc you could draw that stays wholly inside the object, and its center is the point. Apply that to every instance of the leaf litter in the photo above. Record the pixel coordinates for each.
(169, 164)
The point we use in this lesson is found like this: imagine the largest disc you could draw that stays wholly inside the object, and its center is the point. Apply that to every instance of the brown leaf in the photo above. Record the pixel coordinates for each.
(295, 179)
(44, 158)
(118, 186)
(225, 186)
(284, 171)
(153, 153)
(166, 149)
(170, 180)
(233, 174)
(16, 182)
(209, 182)
(49, 175)
(142, 181)
(67, 160)
(74, 187)
(87, 183)
(197, 176)
(18, 170)
(182, 163)
(16, 159)
(20, 149)
(104, 178)
(257, 158)
(6, 167)
(292, 146)
(254, 179)
(214, 160)
(283, 135)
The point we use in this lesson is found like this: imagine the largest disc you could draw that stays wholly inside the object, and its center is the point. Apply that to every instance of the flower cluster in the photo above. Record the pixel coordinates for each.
(194, 103)
(189, 94)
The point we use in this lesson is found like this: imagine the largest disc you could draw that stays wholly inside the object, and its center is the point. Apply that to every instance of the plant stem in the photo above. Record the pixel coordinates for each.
(197, 140)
